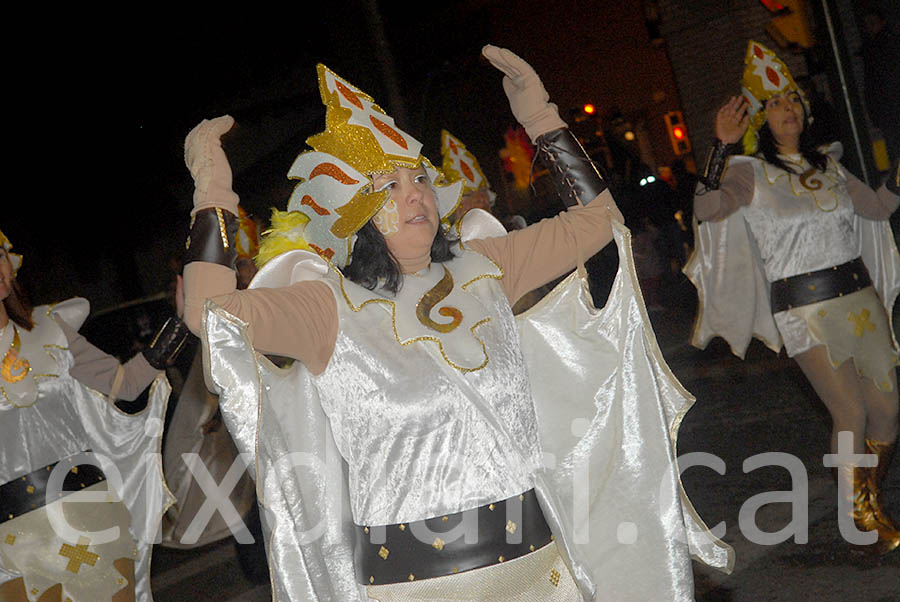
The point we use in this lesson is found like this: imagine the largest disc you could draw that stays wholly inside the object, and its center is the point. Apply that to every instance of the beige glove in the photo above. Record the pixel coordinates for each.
(526, 94)
(209, 166)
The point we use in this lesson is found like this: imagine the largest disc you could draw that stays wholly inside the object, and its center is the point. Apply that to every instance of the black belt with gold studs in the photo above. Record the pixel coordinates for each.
(446, 545)
(30, 492)
(812, 287)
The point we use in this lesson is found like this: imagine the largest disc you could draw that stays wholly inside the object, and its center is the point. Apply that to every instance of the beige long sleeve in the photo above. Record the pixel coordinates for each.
(301, 321)
(735, 189)
(871, 204)
(298, 321)
(99, 370)
(548, 249)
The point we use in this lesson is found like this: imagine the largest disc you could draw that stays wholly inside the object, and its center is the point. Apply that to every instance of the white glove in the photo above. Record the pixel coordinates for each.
(526, 94)
(205, 158)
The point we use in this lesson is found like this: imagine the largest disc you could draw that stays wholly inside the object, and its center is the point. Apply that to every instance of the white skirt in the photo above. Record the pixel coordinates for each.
(852, 326)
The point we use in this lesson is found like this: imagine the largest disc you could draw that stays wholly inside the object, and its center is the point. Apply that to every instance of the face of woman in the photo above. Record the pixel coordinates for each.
(409, 219)
(784, 114)
(5, 274)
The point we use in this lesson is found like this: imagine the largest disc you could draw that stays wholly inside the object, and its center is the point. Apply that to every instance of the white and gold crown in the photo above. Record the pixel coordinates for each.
(765, 76)
(334, 197)
(14, 258)
(461, 165)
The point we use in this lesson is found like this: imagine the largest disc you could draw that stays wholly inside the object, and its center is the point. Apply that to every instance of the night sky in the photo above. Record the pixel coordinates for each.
(105, 108)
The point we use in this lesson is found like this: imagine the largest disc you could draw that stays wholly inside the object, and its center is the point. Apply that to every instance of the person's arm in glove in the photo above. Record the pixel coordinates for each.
(574, 174)
(299, 321)
(209, 263)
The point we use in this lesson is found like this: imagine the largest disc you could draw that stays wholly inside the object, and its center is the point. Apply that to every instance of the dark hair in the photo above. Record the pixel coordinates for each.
(372, 264)
(18, 307)
(768, 148)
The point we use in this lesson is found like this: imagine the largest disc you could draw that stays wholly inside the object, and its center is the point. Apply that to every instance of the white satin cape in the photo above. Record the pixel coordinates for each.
(601, 368)
(68, 418)
(732, 289)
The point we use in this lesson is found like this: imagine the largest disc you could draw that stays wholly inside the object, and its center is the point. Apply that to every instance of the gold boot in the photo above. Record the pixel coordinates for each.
(867, 512)
(876, 475)
(854, 481)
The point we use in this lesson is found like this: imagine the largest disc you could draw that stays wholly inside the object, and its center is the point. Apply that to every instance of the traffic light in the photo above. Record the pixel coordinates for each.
(681, 144)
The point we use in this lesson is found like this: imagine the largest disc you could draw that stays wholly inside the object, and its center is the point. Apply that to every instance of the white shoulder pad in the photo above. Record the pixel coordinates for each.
(72, 311)
(288, 268)
(835, 150)
(478, 223)
(738, 159)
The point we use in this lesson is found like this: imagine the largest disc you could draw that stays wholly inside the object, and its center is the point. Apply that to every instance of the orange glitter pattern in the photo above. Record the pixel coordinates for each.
(389, 132)
(332, 170)
(758, 52)
(773, 76)
(326, 253)
(466, 171)
(349, 94)
(453, 147)
(308, 200)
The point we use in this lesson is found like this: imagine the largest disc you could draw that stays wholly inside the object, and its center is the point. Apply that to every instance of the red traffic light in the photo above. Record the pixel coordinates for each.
(678, 132)
(589, 109)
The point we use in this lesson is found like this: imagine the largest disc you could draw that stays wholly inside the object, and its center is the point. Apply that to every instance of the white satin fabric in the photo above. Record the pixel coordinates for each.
(801, 228)
(421, 437)
(735, 258)
(67, 418)
(581, 405)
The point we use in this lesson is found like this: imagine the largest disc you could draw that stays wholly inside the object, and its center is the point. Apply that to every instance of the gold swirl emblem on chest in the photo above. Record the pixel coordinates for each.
(14, 368)
(429, 300)
(809, 181)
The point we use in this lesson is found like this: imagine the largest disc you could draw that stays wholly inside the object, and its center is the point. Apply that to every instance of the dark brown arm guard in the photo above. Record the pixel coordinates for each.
(574, 174)
(893, 180)
(715, 165)
(212, 236)
(167, 343)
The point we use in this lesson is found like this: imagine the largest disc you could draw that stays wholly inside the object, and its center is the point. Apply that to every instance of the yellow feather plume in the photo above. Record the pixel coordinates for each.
(286, 234)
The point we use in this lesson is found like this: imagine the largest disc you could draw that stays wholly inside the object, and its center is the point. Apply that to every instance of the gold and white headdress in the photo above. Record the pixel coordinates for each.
(14, 258)
(461, 165)
(765, 76)
(334, 197)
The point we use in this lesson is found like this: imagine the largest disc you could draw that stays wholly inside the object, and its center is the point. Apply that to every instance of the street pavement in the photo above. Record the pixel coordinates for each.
(743, 408)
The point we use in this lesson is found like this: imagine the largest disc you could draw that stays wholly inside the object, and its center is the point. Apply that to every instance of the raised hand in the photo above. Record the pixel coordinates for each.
(205, 158)
(527, 96)
(732, 120)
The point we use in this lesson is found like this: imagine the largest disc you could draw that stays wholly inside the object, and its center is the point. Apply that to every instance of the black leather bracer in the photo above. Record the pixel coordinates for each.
(715, 165)
(212, 237)
(167, 343)
(574, 175)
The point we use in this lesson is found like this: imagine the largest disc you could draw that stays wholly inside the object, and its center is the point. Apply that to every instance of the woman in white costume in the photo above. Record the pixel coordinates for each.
(823, 266)
(62, 441)
(412, 368)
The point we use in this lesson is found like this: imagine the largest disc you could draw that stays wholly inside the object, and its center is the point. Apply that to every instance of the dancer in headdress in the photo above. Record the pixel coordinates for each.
(794, 250)
(81, 487)
(420, 407)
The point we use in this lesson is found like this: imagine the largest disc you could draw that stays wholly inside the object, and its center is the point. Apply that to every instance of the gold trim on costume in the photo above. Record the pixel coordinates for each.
(393, 309)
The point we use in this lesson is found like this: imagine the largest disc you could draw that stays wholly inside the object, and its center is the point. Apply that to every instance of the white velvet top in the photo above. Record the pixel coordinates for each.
(430, 427)
(801, 223)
